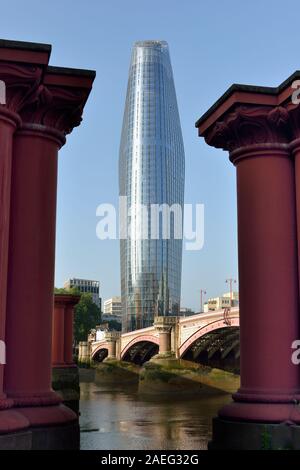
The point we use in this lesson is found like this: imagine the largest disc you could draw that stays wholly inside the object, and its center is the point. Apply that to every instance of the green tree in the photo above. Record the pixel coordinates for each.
(87, 316)
(62, 290)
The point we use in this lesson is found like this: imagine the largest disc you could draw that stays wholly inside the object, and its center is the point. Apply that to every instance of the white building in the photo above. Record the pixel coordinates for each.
(219, 303)
(234, 296)
(113, 308)
(85, 286)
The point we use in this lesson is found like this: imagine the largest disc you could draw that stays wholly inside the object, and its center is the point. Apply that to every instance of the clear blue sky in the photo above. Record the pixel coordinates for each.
(212, 45)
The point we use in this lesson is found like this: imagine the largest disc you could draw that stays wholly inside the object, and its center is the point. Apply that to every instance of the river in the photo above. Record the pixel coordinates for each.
(122, 420)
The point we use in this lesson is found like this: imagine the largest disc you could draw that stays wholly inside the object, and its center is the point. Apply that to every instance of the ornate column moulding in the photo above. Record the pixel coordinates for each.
(60, 100)
(22, 65)
(258, 126)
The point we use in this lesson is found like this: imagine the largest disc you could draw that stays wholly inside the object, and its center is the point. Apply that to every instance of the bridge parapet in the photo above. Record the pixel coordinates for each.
(190, 325)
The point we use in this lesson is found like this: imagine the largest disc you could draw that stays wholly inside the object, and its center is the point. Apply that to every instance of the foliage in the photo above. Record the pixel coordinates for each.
(87, 316)
(62, 290)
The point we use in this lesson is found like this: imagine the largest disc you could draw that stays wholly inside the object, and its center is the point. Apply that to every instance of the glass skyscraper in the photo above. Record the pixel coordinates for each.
(151, 171)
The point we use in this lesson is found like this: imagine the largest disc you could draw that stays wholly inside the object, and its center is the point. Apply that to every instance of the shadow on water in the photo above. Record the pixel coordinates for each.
(114, 418)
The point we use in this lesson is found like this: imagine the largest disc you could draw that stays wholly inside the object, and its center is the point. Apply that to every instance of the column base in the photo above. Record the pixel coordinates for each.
(39, 416)
(262, 412)
(65, 382)
(44, 399)
(12, 421)
(6, 403)
(52, 427)
(65, 437)
(16, 441)
(44, 428)
(242, 435)
(14, 432)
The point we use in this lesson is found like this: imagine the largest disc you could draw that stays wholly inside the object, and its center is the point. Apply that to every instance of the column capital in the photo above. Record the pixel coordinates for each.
(60, 99)
(21, 84)
(253, 115)
(49, 100)
(22, 65)
(66, 299)
(250, 125)
(164, 324)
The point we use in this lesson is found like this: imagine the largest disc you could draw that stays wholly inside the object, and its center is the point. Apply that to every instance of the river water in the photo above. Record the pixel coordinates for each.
(122, 420)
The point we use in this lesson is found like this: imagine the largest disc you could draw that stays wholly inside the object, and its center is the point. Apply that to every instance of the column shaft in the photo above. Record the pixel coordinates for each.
(8, 123)
(111, 349)
(58, 336)
(31, 268)
(296, 152)
(68, 335)
(164, 341)
(267, 275)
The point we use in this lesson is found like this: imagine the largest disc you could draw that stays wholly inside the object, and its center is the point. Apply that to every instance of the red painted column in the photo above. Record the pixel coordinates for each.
(69, 333)
(268, 263)
(21, 67)
(295, 148)
(8, 123)
(52, 114)
(257, 138)
(58, 334)
(62, 332)
(31, 265)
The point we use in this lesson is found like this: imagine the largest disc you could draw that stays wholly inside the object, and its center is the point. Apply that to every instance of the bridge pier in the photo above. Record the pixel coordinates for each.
(112, 339)
(257, 125)
(84, 354)
(43, 104)
(164, 326)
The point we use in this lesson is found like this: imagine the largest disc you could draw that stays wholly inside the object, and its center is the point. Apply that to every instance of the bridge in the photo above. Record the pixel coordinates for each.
(208, 338)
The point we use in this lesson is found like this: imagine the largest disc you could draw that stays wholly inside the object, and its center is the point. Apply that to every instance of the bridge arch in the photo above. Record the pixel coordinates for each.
(100, 353)
(215, 344)
(140, 349)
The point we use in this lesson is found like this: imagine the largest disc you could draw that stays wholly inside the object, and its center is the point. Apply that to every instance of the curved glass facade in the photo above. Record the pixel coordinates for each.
(151, 171)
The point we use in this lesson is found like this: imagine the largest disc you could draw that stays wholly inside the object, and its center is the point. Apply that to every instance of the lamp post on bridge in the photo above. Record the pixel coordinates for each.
(230, 281)
(202, 293)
